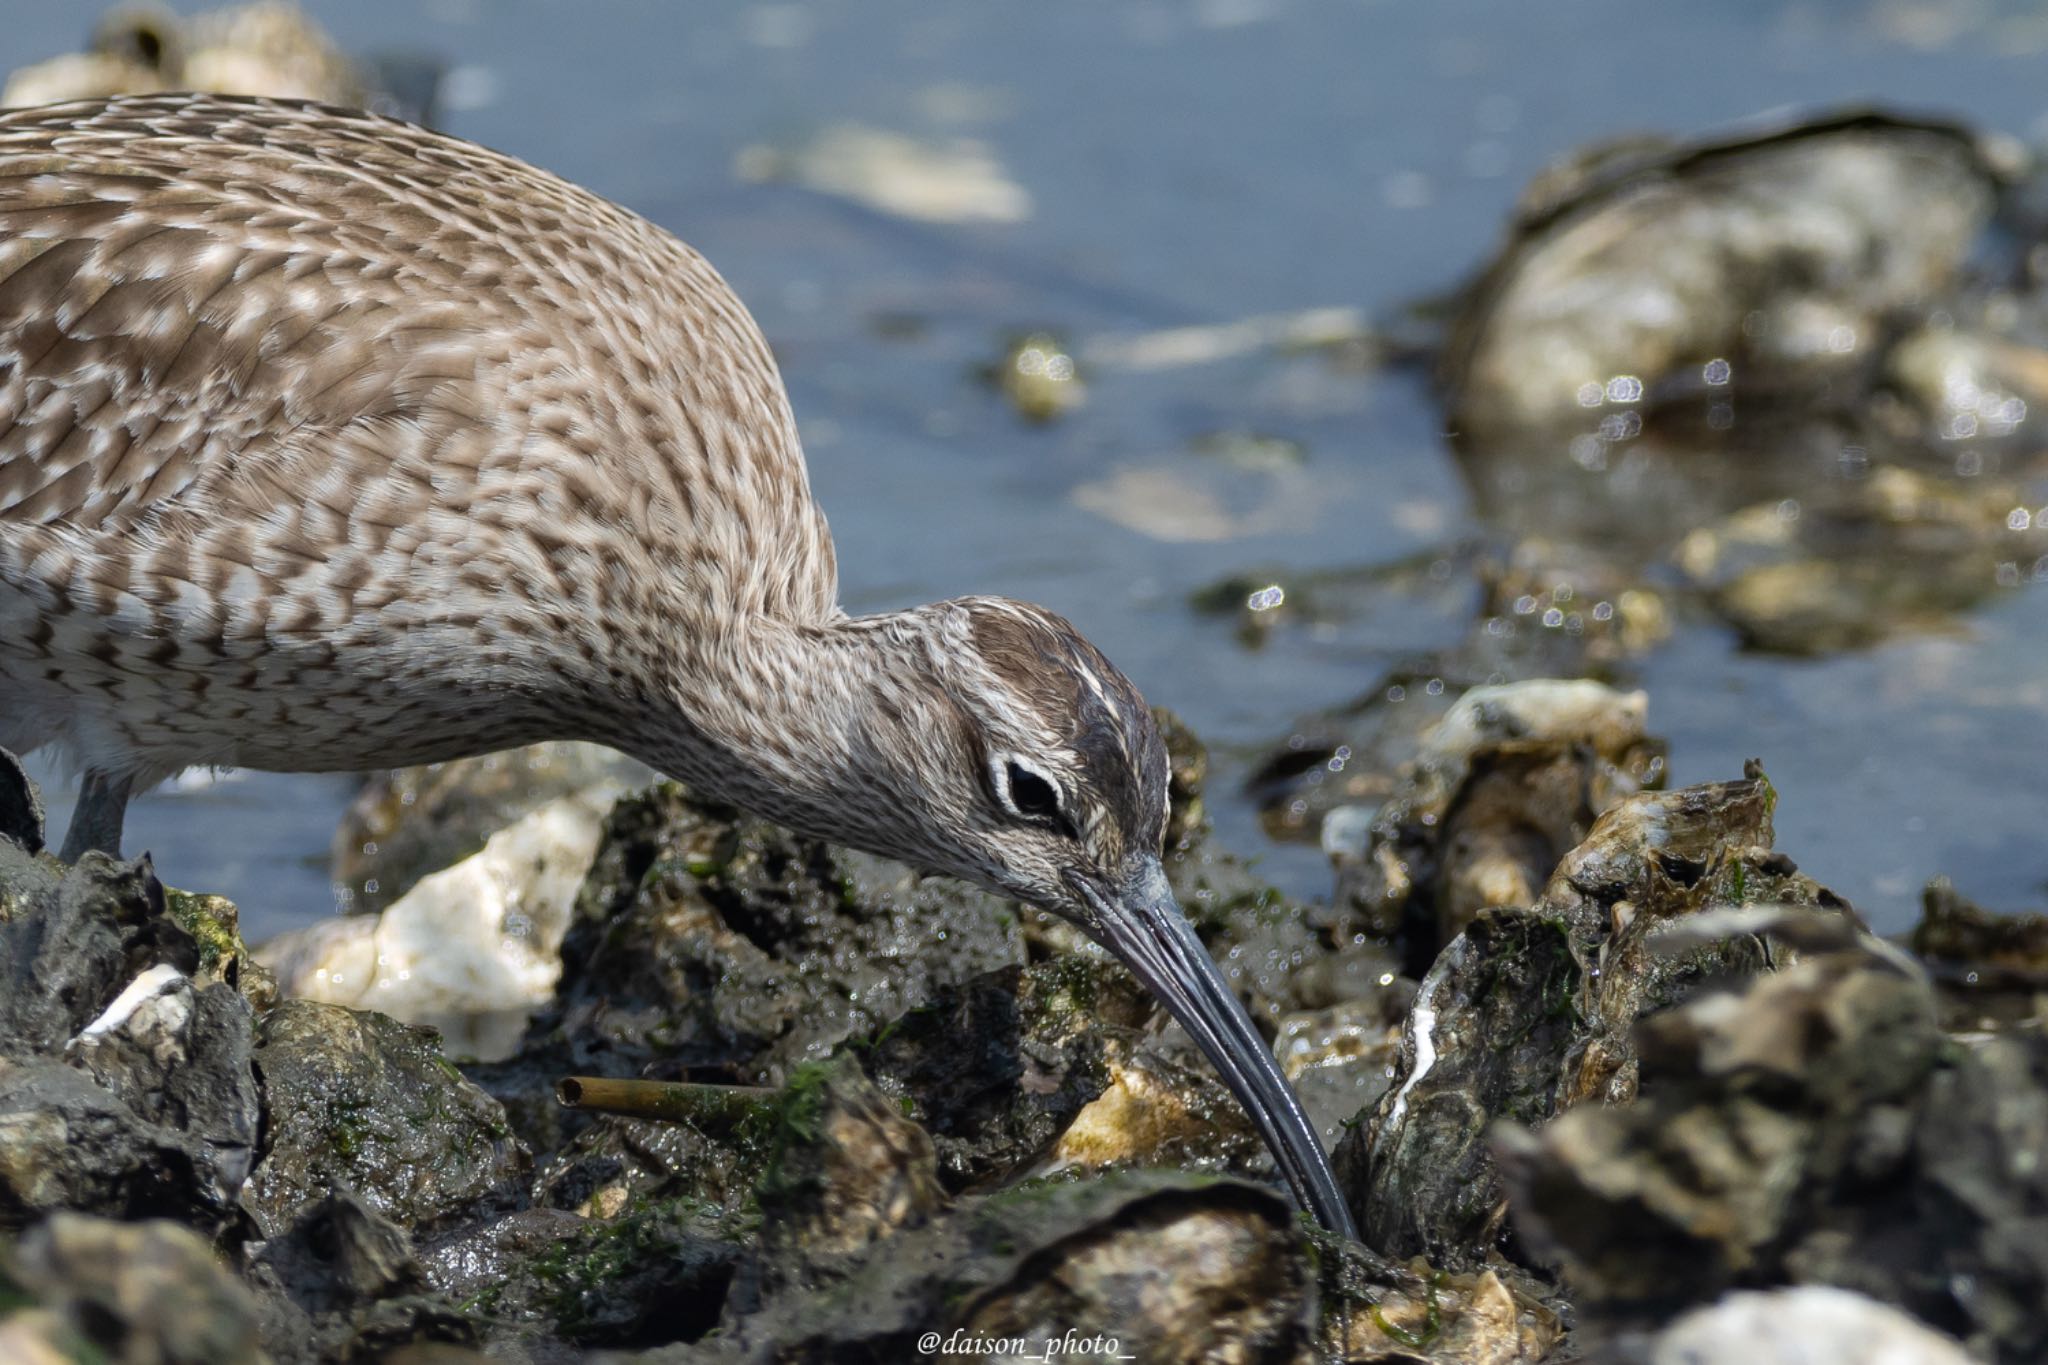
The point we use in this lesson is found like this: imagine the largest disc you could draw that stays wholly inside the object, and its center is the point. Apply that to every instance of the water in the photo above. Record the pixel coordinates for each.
(1188, 163)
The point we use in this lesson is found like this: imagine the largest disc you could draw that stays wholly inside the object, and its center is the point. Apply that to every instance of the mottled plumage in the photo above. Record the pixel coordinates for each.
(280, 385)
(327, 442)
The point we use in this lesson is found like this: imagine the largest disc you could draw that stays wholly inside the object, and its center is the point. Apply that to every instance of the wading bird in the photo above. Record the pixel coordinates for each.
(328, 442)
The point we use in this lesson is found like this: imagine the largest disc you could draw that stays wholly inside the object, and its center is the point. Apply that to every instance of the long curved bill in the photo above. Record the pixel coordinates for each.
(1144, 927)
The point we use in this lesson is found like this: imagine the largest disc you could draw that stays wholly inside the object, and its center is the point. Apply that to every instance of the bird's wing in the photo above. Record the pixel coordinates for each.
(198, 291)
(324, 325)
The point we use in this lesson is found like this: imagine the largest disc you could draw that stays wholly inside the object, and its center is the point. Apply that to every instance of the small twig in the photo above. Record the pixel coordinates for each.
(715, 1106)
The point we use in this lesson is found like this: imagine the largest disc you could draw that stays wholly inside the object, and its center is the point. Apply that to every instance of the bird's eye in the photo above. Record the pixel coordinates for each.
(1032, 794)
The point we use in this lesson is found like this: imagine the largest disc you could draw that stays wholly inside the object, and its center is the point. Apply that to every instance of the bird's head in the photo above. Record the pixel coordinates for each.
(1018, 757)
(1033, 766)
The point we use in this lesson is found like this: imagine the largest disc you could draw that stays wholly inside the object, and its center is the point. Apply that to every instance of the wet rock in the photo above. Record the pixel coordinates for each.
(1233, 1289)
(997, 1068)
(1813, 1128)
(1742, 267)
(473, 949)
(125, 1082)
(838, 1166)
(1532, 1011)
(436, 1354)
(850, 1170)
(1794, 1326)
(70, 939)
(1855, 562)
(1969, 386)
(66, 1143)
(1542, 708)
(215, 925)
(1722, 1179)
(1187, 774)
(409, 822)
(1503, 785)
(1278, 954)
(338, 1252)
(618, 1163)
(1990, 969)
(1514, 975)
(36, 1336)
(1327, 780)
(266, 48)
(1342, 1059)
(1162, 1269)
(1955, 930)
(1983, 1126)
(533, 1280)
(342, 1283)
(1521, 806)
(179, 1057)
(726, 946)
(1704, 351)
(1374, 1309)
(1603, 512)
(147, 1293)
(1055, 1069)
(1163, 1107)
(363, 1101)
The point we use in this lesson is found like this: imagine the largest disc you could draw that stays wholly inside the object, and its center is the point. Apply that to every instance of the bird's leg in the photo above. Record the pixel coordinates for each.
(96, 819)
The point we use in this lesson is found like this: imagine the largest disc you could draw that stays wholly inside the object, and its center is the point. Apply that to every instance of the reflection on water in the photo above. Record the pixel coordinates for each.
(1186, 168)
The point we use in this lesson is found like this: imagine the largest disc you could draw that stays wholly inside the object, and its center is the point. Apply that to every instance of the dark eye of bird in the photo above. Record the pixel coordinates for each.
(1032, 794)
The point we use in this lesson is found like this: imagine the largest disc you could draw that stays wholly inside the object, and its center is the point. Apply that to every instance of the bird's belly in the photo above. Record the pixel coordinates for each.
(148, 699)
(155, 723)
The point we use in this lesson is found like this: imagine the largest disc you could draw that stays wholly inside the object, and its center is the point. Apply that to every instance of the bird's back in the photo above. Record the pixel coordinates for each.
(288, 392)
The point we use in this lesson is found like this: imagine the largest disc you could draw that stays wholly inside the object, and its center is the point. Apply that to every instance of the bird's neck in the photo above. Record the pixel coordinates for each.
(777, 716)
